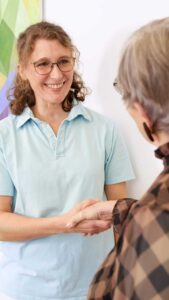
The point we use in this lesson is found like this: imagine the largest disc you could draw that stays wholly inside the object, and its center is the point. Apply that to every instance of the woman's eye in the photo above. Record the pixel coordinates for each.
(43, 64)
(63, 61)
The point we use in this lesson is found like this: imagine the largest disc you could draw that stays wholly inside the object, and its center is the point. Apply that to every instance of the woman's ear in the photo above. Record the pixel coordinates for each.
(21, 72)
(142, 120)
(141, 113)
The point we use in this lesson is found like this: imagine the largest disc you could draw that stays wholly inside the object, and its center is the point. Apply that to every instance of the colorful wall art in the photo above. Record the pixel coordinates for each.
(15, 16)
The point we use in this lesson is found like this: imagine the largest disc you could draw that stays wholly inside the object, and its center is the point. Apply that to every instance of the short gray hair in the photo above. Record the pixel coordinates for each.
(143, 73)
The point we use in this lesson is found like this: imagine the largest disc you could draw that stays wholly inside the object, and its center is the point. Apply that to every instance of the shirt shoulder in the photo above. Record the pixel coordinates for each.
(6, 121)
(7, 126)
(102, 124)
(154, 201)
(100, 118)
(158, 193)
(148, 217)
(153, 204)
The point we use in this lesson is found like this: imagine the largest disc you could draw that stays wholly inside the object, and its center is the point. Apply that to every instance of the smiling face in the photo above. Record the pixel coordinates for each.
(51, 88)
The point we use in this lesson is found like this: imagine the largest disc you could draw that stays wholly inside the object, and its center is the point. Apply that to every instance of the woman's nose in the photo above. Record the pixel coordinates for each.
(55, 72)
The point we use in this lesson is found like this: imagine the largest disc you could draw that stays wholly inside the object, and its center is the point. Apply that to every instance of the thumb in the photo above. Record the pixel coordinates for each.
(75, 220)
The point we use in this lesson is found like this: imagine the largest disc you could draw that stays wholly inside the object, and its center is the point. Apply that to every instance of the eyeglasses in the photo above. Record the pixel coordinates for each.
(117, 86)
(44, 67)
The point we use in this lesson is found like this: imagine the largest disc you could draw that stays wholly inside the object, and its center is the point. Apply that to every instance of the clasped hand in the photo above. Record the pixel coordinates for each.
(91, 216)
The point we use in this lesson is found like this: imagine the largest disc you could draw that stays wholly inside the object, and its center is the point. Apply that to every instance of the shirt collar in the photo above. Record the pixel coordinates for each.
(163, 153)
(77, 110)
(26, 115)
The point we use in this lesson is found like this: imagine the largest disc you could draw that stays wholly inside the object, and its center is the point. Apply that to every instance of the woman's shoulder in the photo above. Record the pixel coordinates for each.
(7, 126)
(7, 121)
(158, 193)
(153, 207)
(99, 118)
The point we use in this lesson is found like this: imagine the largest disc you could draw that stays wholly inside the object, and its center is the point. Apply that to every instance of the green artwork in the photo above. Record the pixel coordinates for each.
(15, 16)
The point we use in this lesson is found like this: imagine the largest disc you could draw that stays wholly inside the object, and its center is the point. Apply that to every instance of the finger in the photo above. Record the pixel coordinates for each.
(75, 220)
(84, 204)
(101, 223)
(93, 226)
(89, 202)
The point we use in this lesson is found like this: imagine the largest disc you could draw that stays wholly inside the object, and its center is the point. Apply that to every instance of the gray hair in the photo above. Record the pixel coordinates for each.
(143, 74)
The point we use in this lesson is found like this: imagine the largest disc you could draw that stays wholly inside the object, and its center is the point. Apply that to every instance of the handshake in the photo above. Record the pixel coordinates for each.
(90, 216)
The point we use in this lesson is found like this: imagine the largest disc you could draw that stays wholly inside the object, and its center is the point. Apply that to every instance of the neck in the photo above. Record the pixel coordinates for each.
(49, 112)
(160, 138)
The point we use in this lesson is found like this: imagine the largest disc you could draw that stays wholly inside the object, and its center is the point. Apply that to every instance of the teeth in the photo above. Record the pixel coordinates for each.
(55, 86)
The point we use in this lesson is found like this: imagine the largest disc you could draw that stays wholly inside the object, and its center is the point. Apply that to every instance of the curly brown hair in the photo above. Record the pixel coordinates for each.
(22, 93)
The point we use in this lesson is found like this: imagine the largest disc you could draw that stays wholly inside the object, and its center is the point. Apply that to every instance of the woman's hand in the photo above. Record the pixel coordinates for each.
(98, 211)
(15, 227)
(91, 224)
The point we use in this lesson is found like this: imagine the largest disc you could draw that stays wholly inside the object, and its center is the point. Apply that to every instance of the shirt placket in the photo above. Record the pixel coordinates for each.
(56, 142)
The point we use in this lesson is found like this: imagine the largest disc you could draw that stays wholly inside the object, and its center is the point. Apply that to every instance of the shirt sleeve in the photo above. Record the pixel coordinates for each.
(138, 267)
(121, 213)
(6, 184)
(118, 167)
(143, 254)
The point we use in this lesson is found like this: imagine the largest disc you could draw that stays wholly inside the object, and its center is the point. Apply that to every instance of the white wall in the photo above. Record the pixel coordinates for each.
(99, 28)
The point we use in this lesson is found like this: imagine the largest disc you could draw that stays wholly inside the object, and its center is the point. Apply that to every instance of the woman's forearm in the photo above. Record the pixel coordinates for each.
(14, 227)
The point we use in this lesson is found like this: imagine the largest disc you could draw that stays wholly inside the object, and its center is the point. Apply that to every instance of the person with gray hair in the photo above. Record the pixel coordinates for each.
(138, 267)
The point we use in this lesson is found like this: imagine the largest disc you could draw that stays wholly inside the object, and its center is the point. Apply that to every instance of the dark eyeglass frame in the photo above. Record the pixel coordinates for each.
(51, 65)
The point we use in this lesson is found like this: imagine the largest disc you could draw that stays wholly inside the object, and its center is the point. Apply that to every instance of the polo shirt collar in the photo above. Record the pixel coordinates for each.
(77, 110)
(26, 115)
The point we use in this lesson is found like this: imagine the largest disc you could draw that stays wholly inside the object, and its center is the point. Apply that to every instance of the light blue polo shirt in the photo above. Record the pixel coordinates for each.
(47, 175)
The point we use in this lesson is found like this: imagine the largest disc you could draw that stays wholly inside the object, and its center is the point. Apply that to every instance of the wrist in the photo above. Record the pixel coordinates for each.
(57, 225)
(109, 209)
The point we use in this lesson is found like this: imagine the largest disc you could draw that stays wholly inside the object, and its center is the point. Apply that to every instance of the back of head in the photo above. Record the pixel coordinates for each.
(143, 73)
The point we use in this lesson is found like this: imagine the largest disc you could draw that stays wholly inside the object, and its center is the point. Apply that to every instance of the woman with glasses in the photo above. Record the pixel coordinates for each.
(138, 267)
(54, 153)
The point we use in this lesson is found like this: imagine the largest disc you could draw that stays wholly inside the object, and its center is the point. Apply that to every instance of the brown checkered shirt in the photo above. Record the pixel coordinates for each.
(138, 267)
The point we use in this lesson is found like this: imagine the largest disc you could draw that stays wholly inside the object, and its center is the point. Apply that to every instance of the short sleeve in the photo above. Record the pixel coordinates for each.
(118, 167)
(6, 184)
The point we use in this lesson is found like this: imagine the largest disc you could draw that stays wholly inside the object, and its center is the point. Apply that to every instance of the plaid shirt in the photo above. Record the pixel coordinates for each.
(138, 267)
